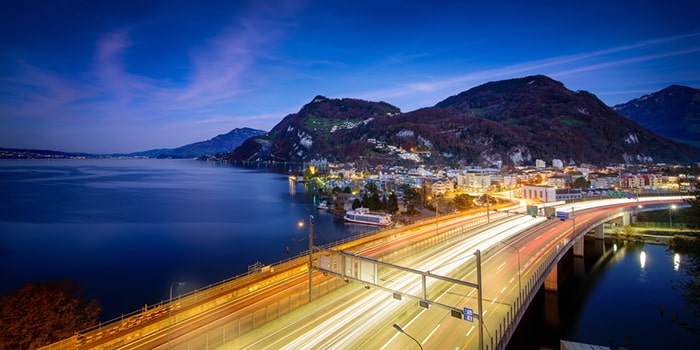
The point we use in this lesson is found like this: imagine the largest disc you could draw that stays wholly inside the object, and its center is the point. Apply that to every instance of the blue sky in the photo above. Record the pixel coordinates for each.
(125, 76)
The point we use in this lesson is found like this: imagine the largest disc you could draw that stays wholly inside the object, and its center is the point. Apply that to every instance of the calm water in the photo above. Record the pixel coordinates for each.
(613, 298)
(126, 229)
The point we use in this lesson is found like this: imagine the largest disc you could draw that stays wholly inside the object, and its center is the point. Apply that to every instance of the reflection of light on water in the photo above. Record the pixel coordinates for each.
(615, 248)
(642, 259)
(676, 262)
(292, 185)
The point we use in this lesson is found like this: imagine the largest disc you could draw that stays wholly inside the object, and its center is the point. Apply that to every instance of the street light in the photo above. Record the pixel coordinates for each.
(170, 306)
(398, 328)
(670, 221)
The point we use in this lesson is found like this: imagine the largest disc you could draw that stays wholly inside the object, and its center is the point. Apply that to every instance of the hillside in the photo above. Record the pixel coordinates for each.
(511, 122)
(673, 112)
(219, 144)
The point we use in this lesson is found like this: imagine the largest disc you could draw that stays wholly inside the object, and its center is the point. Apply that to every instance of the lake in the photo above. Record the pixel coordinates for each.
(126, 229)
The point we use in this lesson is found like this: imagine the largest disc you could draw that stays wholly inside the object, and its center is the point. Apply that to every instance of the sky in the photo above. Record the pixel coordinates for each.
(127, 76)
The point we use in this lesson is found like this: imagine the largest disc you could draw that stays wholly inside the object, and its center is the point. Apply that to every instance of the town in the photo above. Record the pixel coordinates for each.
(346, 185)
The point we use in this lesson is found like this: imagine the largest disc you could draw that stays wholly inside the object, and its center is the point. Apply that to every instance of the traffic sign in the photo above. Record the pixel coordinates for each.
(469, 314)
(549, 212)
(562, 215)
(532, 210)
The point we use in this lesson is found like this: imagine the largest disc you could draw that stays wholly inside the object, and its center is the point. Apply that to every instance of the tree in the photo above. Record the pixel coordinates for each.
(463, 202)
(356, 203)
(39, 314)
(411, 198)
(393, 205)
(580, 182)
(371, 187)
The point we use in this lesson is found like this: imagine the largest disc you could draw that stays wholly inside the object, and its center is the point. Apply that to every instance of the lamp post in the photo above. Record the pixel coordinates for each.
(170, 306)
(311, 252)
(398, 328)
(670, 220)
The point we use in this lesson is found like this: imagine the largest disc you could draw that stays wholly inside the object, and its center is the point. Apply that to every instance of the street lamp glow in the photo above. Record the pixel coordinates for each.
(670, 220)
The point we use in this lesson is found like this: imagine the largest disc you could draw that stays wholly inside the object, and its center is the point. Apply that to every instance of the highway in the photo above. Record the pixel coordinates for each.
(355, 317)
(277, 316)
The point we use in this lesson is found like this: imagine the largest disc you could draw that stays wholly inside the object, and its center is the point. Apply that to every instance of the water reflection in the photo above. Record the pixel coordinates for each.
(642, 259)
(676, 262)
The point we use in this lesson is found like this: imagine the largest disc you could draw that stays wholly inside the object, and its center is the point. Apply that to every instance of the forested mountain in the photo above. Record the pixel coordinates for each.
(510, 122)
(673, 112)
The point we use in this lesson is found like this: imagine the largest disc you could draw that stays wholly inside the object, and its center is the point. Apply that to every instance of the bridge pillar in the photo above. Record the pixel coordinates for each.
(578, 247)
(626, 219)
(551, 309)
(599, 232)
(551, 282)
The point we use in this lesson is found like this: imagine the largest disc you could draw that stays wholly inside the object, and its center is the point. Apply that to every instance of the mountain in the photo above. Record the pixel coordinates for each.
(510, 122)
(673, 112)
(220, 144)
(323, 128)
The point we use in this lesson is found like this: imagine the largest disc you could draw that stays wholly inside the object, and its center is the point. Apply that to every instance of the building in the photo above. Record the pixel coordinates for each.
(541, 194)
(557, 163)
(441, 187)
(565, 194)
(558, 180)
(539, 163)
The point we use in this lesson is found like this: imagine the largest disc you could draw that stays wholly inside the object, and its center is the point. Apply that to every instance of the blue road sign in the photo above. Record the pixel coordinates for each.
(562, 215)
(468, 314)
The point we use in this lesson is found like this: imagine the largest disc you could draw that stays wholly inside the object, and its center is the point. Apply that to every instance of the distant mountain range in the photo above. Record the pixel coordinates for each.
(673, 112)
(220, 144)
(509, 123)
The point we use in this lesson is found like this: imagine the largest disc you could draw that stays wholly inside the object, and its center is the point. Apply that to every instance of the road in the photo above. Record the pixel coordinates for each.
(351, 316)
(355, 317)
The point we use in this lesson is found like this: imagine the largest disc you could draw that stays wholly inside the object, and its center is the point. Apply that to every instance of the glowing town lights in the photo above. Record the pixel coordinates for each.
(676, 262)
(642, 259)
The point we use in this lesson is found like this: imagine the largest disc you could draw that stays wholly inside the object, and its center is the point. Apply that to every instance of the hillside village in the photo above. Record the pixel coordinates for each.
(541, 183)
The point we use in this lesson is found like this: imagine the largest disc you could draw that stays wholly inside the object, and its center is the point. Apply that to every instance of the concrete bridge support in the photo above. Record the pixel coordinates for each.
(626, 219)
(551, 283)
(578, 247)
(599, 232)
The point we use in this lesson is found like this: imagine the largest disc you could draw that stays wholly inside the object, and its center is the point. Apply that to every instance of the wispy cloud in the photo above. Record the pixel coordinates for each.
(422, 93)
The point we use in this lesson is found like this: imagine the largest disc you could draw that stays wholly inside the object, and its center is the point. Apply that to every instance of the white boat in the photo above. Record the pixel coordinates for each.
(323, 205)
(364, 216)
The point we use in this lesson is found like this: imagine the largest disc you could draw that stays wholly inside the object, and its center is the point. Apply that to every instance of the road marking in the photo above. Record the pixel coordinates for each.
(512, 279)
(470, 331)
(431, 333)
(501, 265)
(494, 300)
(504, 288)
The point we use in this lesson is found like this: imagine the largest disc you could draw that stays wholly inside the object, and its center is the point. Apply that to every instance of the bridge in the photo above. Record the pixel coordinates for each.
(453, 282)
